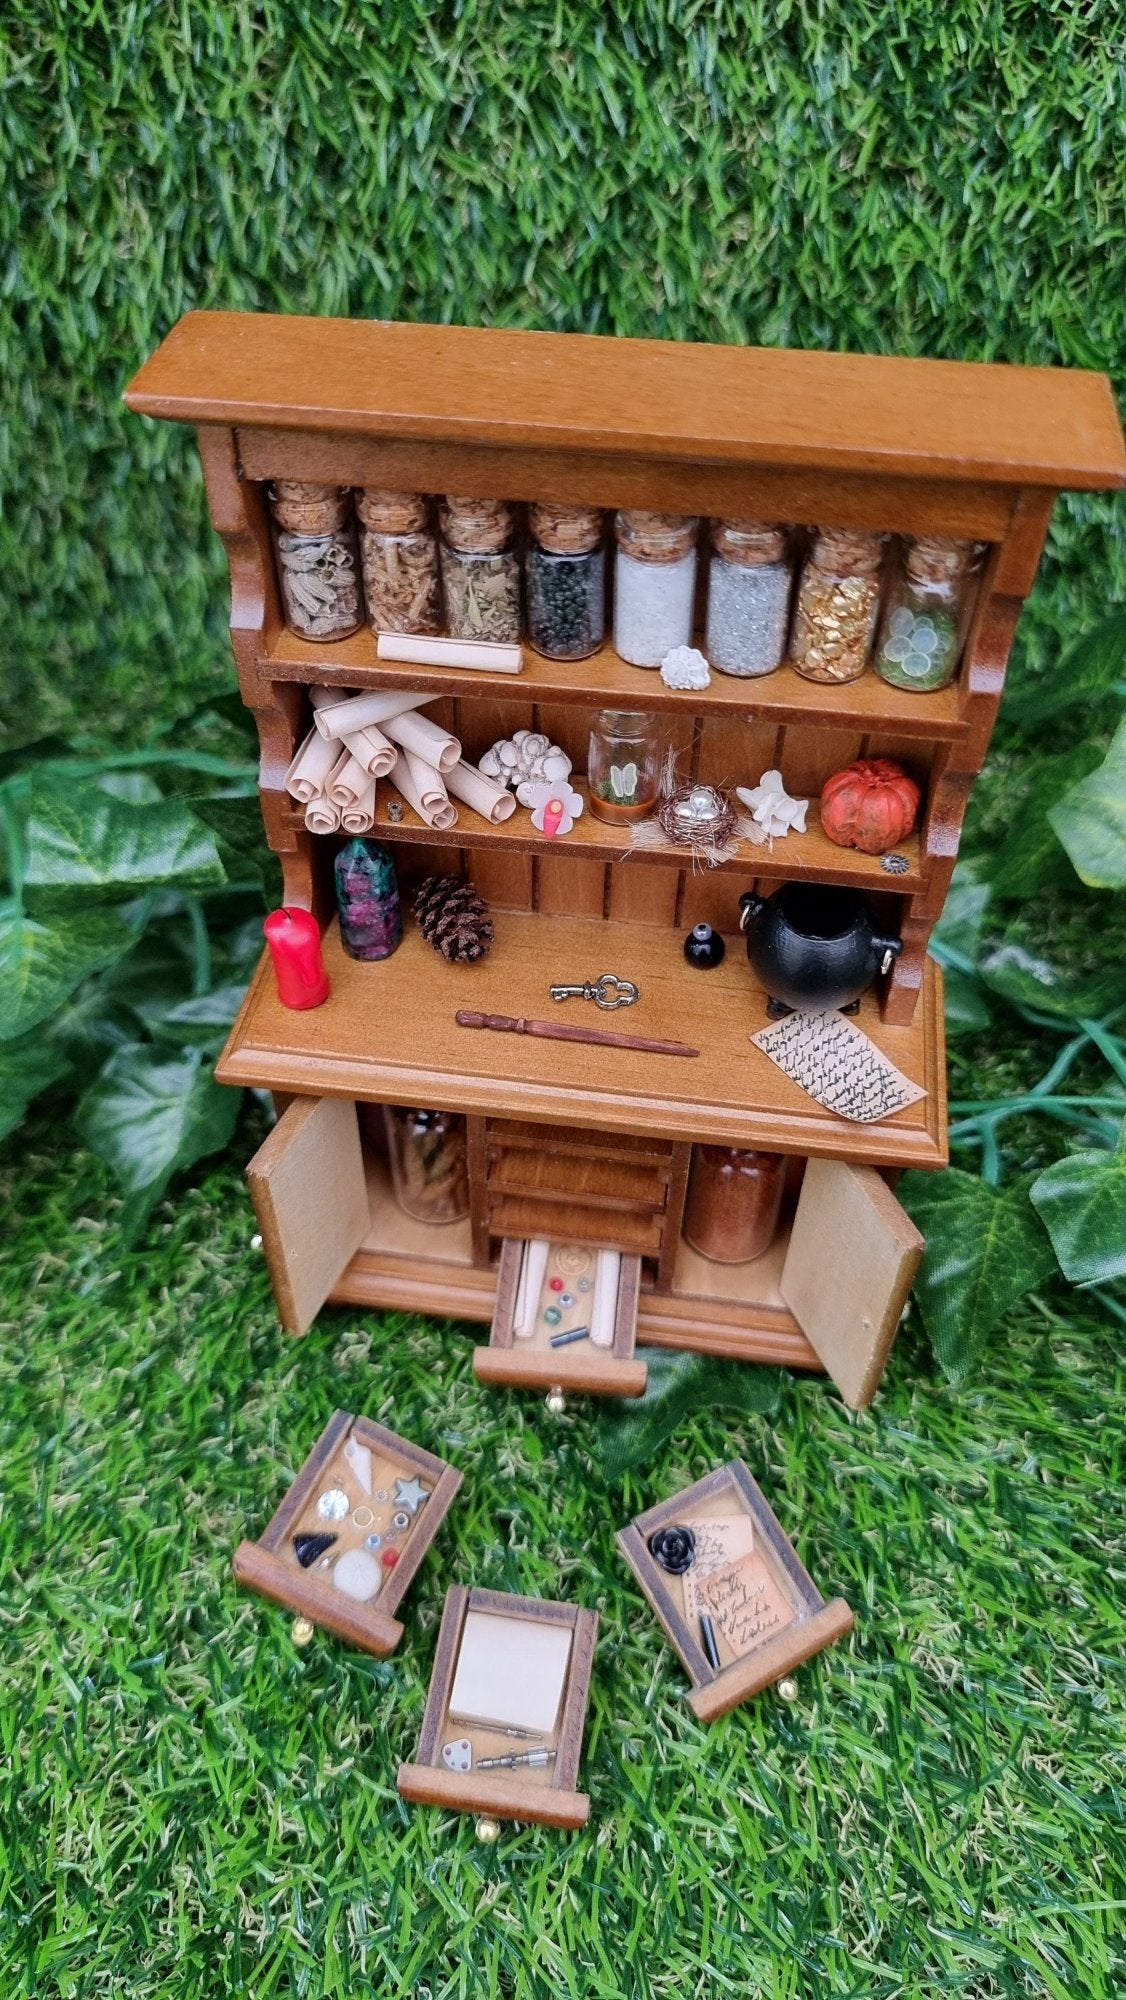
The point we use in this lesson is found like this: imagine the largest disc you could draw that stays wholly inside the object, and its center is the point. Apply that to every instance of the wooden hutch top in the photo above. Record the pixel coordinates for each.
(910, 446)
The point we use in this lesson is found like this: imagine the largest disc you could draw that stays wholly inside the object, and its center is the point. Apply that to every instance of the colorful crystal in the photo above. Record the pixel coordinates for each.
(367, 895)
(308, 1547)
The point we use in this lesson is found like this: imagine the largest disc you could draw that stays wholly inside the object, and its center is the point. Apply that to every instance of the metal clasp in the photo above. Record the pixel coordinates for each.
(607, 991)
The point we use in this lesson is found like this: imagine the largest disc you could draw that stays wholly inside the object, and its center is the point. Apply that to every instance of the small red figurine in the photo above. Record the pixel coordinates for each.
(294, 938)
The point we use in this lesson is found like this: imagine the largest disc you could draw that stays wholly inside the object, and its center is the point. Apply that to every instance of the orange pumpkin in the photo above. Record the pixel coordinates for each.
(871, 805)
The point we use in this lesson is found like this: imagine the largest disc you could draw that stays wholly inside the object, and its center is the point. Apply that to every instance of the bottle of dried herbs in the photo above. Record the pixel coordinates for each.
(318, 561)
(565, 573)
(654, 585)
(400, 558)
(838, 598)
(748, 598)
(926, 614)
(428, 1151)
(480, 570)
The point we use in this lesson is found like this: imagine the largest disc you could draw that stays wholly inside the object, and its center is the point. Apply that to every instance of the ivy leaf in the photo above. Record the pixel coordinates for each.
(959, 926)
(237, 825)
(150, 1113)
(1089, 673)
(633, 1433)
(1027, 981)
(81, 841)
(1082, 1203)
(42, 963)
(27, 1067)
(984, 1251)
(202, 1022)
(1031, 858)
(965, 1004)
(1090, 820)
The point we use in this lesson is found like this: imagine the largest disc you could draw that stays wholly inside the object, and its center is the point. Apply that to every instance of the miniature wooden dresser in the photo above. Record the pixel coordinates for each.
(588, 1143)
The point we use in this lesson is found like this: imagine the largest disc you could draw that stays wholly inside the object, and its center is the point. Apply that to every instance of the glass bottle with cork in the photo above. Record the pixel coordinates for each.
(480, 570)
(654, 585)
(749, 581)
(837, 604)
(565, 575)
(429, 1159)
(928, 607)
(399, 550)
(318, 561)
(733, 1201)
(623, 766)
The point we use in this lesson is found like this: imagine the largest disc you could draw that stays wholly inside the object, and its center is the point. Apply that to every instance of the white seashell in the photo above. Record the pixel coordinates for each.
(535, 745)
(526, 789)
(520, 735)
(508, 755)
(555, 765)
(490, 764)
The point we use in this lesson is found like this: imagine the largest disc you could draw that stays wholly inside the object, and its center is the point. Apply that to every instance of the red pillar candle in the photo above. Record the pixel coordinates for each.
(294, 938)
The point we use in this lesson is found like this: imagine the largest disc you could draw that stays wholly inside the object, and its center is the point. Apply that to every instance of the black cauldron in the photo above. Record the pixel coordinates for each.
(813, 947)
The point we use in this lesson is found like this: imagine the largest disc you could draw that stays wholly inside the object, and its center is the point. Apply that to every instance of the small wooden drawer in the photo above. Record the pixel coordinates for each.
(724, 1572)
(568, 1138)
(596, 1180)
(369, 1467)
(529, 1361)
(511, 1682)
(638, 1231)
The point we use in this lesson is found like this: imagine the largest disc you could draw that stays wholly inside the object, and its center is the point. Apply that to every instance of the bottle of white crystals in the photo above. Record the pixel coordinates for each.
(654, 585)
(748, 597)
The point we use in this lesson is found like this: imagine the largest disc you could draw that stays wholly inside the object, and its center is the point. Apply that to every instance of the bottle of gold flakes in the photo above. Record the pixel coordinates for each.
(838, 599)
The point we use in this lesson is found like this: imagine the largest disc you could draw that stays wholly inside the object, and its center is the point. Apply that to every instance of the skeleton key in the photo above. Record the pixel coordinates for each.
(607, 991)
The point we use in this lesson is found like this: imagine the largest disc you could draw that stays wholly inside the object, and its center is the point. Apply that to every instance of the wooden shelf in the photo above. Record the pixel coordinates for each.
(800, 856)
(387, 1033)
(867, 705)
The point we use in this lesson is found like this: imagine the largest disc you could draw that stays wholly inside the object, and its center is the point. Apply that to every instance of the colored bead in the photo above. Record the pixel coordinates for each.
(555, 1284)
(552, 1316)
(389, 1558)
(401, 1520)
(566, 1298)
(333, 1505)
(308, 1547)
(374, 1542)
(584, 1284)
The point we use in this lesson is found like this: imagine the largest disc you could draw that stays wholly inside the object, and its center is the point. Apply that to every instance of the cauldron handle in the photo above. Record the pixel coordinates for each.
(750, 906)
(889, 949)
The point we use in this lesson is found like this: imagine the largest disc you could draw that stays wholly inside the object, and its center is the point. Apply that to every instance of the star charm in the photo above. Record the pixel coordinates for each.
(410, 1493)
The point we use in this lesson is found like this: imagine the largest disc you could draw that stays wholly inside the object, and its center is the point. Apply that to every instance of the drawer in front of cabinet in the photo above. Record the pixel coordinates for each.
(567, 1220)
(572, 1174)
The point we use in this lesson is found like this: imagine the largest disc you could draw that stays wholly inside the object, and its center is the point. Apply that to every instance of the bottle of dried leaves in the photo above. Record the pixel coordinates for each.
(748, 597)
(566, 581)
(623, 766)
(654, 585)
(400, 558)
(928, 606)
(428, 1152)
(318, 561)
(480, 570)
(838, 598)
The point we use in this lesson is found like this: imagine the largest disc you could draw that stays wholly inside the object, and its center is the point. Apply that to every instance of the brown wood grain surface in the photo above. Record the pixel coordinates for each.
(965, 421)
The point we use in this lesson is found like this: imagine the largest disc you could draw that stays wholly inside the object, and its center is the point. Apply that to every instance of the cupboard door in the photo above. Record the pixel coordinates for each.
(310, 1196)
(852, 1258)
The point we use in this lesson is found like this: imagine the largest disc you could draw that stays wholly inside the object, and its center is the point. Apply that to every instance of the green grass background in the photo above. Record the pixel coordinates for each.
(192, 1807)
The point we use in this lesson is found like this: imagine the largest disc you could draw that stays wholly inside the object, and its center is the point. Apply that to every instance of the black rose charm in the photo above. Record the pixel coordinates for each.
(674, 1549)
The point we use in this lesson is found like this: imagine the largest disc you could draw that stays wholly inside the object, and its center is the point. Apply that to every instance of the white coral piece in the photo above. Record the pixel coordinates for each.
(772, 808)
(684, 667)
(524, 761)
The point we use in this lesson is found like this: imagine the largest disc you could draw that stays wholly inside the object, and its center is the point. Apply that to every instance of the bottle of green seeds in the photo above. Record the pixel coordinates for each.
(926, 613)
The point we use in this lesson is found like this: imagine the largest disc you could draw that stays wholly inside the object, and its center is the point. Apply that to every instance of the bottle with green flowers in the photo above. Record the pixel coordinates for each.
(926, 613)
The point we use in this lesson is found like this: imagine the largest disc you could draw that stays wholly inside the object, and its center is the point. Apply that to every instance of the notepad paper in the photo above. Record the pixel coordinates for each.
(743, 1601)
(510, 1672)
(838, 1065)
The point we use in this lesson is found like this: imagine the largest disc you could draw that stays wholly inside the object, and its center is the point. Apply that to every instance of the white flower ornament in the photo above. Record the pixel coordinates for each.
(772, 808)
(555, 808)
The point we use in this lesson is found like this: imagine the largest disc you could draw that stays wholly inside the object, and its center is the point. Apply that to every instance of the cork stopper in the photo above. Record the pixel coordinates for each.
(303, 507)
(565, 531)
(392, 513)
(847, 551)
(656, 538)
(933, 559)
(749, 543)
(476, 527)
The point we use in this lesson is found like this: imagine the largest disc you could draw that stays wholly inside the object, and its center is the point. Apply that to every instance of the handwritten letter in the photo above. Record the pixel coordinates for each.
(838, 1065)
(743, 1602)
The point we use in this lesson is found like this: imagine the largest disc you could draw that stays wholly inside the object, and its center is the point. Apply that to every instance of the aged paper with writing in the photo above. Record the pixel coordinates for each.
(743, 1602)
(839, 1066)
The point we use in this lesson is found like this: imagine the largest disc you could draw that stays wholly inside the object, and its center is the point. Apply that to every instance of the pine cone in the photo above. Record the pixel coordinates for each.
(454, 919)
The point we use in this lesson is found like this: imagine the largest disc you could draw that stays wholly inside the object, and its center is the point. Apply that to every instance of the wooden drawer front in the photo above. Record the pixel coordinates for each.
(599, 1180)
(510, 1132)
(573, 1221)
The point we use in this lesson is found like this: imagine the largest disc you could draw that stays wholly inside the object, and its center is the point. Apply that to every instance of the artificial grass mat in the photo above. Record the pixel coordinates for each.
(197, 1808)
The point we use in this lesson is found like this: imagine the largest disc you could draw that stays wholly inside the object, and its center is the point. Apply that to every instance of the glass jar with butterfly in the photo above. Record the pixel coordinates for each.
(624, 765)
